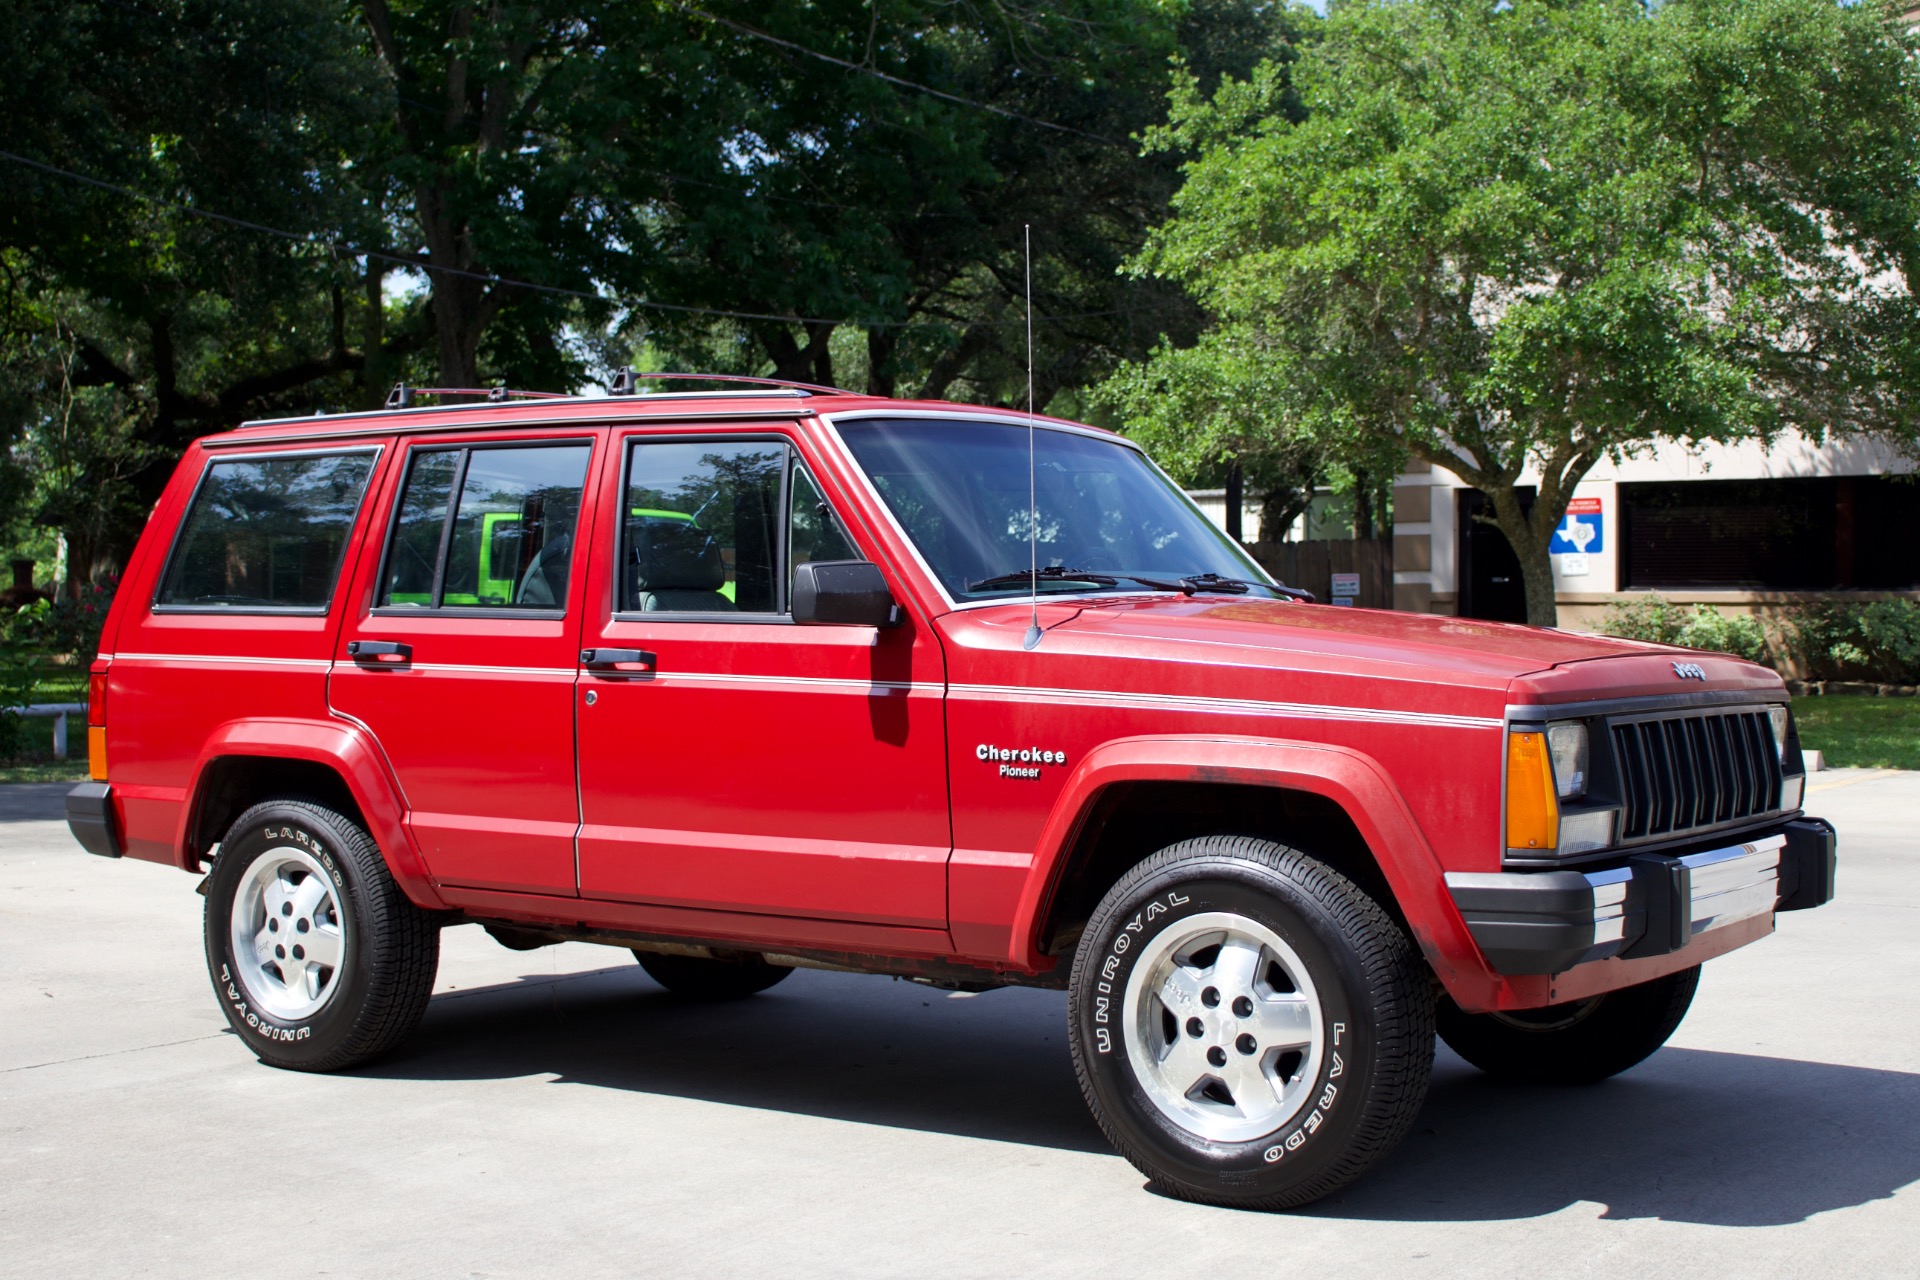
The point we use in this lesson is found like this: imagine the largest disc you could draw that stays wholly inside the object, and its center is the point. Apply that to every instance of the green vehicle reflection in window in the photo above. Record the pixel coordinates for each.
(645, 514)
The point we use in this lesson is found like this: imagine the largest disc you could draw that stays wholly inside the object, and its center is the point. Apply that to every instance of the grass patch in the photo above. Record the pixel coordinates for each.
(34, 761)
(1857, 731)
(48, 770)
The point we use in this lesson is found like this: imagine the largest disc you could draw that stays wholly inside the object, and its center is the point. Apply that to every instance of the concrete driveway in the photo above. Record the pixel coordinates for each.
(558, 1115)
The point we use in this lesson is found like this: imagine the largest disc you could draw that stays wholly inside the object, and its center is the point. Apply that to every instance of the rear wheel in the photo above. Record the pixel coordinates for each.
(1248, 1026)
(1582, 1042)
(319, 960)
(724, 976)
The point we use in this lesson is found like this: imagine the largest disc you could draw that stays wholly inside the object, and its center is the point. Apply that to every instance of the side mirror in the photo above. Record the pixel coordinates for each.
(843, 593)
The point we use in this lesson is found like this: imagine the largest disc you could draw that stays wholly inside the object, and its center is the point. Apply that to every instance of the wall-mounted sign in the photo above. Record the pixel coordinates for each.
(1582, 531)
(1346, 584)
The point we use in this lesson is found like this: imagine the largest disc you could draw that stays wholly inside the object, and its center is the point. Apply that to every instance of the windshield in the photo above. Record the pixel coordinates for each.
(959, 490)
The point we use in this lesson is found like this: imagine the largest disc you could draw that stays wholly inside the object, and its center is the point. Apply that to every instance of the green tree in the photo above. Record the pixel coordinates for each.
(128, 325)
(1511, 239)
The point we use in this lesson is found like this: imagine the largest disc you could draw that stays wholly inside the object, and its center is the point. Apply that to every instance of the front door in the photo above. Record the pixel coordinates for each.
(461, 651)
(730, 759)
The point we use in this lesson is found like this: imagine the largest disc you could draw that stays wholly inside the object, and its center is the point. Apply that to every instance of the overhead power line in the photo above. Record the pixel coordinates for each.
(877, 74)
(486, 277)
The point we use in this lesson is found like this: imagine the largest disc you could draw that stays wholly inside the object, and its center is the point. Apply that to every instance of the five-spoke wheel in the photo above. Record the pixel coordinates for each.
(1248, 1026)
(319, 960)
(286, 933)
(1225, 1032)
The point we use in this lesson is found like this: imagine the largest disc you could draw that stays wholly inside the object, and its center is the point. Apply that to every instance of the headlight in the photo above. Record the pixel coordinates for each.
(1780, 719)
(1567, 745)
(1547, 764)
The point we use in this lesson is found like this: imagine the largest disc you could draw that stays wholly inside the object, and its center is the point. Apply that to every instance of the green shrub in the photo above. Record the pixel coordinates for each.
(1658, 620)
(1879, 641)
(1708, 628)
(1652, 619)
(47, 643)
(22, 659)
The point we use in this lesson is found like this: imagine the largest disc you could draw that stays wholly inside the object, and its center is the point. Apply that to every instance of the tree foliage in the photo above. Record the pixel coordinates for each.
(1512, 238)
(533, 192)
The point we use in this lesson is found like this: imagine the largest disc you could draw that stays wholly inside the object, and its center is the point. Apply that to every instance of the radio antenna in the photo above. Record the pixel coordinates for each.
(1033, 502)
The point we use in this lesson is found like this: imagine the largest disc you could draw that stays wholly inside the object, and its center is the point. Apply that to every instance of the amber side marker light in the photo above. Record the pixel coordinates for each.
(1533, 811)
(97, 723)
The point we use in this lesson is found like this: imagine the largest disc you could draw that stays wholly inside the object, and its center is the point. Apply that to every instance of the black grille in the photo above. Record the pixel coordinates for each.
(1700, 769)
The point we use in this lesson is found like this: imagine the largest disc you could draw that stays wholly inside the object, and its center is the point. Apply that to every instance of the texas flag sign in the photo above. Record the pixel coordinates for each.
(1582, 530)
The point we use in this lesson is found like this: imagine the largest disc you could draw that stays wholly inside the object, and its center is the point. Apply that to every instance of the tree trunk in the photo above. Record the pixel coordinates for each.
(881, 377)
(1536, 571)
(1530, 533)
(1236, 499)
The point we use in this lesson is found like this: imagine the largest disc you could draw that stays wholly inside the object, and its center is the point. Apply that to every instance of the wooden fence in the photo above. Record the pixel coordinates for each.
(1311, 566)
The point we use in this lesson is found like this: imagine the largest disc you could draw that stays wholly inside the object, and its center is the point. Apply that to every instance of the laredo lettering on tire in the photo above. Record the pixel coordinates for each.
(318, 959)
(1249, 1028)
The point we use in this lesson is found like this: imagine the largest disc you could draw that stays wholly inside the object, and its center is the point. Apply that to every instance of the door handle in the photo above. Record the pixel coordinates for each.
(382, 652)
(636, 662)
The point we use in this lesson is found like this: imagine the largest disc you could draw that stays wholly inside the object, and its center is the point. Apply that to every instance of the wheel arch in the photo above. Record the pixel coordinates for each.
(1129, 798)
(246, 761)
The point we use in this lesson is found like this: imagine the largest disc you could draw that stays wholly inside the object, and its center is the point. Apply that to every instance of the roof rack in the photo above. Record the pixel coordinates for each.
(402, 395)
(626, 382)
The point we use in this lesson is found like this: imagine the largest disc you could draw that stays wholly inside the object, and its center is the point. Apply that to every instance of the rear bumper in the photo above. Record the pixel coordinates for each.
(1546, 922)
(90, 818)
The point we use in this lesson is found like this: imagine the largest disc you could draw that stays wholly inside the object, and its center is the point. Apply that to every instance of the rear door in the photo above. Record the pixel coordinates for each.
(461, 650)
(745, 763)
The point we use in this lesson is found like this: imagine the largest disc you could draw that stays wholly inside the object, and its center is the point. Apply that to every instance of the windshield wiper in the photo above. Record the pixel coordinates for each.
(1060, 573)
(1238, 586)
(1046, 573)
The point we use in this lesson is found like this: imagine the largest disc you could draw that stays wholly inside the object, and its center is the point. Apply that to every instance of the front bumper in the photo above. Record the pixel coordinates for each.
(1545, 922)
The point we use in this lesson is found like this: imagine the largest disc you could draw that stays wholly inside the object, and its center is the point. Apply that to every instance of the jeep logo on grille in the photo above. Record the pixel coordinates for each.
(1689, 671)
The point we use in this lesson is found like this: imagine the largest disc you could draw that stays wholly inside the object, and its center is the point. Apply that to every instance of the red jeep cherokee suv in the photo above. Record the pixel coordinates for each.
(750, 680)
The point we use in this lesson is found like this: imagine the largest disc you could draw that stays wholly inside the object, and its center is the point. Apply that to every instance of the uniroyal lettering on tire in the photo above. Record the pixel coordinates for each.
(1248, 1027)
(318, 959)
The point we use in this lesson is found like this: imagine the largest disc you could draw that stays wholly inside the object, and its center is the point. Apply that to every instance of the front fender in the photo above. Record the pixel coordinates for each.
(349, 751)
(1349, 779)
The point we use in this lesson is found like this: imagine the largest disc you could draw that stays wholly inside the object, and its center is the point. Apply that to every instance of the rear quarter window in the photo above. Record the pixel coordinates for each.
(267, 533)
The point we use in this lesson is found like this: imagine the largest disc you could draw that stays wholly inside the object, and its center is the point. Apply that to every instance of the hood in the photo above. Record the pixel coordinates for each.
(1279, 632)
(1213, 647)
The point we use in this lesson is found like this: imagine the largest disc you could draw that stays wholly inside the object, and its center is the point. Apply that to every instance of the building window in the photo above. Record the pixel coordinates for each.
(1814, 534)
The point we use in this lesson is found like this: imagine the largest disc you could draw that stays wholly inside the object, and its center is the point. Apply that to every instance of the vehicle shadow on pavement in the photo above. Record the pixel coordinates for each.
(1696, 1136)
(840, 1046)
(1723, 1139)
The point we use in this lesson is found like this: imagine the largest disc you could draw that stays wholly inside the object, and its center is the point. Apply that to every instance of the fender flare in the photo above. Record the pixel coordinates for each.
(349, 751)
(1349, 779)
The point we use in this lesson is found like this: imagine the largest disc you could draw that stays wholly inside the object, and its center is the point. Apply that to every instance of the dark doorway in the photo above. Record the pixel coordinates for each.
(1490, 583)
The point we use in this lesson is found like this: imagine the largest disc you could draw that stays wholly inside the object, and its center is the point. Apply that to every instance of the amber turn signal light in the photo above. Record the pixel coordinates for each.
(97, 721)
(1533, 811)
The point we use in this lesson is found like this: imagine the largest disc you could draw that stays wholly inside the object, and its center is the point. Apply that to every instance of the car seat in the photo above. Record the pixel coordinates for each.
(676, 568)
(545, 583)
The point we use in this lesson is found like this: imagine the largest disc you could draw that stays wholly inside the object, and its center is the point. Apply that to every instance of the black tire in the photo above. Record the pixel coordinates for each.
(1352, 1099)
(1579, 1043)
(388, 947)
(728, 975)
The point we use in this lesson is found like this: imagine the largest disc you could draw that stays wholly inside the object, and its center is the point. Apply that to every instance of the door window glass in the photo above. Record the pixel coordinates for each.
(814, 532)
(700, 527)
(486, 528)
(267, 533)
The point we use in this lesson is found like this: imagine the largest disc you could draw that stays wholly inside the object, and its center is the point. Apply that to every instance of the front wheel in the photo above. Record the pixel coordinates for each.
(1583, 1042)
(1249, 1028)
(319, 960)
